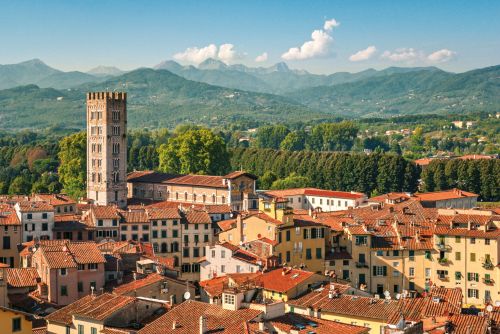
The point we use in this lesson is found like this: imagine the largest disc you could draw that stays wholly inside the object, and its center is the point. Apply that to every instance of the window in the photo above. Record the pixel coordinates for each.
(63, 271)
(379, 270)
(205, 238)
(472, 257)
(411, 271)
(395, 253)
(80, 286)
(29, 216)
(155, 234)
(457, 239)
(92, 266)
(44, 215)
(175, 233)
(228, 299)
(361, 240)
(185, 252)
(473, 277)
(472, 240)
(196, 252)
(223, 254)
(319, 253)
(80, 329)
(223, 269)
(412, 255)
(45, 227)
(64, 290)
(458, 275)
(288, 256)
(308, 254)
(380, 253)
(473, 293)
(81, 267)
(427, 255)
(486, 241)
(427, 272)
(6, 242)
(93, 330)
(458, 256)
(288, 235)
(99, 222)
(16, 325)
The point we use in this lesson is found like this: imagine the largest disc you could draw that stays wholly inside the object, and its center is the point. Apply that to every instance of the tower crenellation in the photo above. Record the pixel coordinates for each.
(107, 148)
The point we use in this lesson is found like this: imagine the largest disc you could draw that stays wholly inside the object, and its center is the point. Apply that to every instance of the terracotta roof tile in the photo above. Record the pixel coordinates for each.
(315, 192)
(134, 217)
(198, 217)
(55, 199)
(235, 174)
(187, 315)
(283, 279)
(22, 277)
(105, 212)
(8, 216)
(166, 213)
(288, 322)
(149, 177)
(32, 206)
(226, 225)
(198, 180)
(444, 195)
(139, 283)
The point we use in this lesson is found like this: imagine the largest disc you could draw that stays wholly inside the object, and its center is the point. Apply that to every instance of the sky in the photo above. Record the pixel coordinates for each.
(318, 36)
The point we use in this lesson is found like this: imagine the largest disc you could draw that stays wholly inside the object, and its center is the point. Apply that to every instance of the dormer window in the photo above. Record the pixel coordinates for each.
(63, 271)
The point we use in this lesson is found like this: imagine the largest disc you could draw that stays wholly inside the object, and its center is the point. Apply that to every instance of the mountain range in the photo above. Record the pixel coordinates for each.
(34, 95)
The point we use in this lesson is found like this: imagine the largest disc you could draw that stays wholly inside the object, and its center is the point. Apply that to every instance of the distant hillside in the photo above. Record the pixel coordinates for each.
(415, 92)
(156, 98)
(277, 79)
(37, 72)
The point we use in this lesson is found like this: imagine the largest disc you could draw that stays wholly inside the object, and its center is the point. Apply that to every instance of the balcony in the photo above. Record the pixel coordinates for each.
(443, 261)
(442, 246)
(488, 281)
(488, 265)
(444, 278)
(361, 265)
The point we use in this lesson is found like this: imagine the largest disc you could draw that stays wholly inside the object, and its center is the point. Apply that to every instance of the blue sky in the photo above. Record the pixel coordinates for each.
(78, 35)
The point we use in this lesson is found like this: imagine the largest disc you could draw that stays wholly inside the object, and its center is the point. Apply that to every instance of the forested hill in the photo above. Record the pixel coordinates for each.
(160, 98)
(156, 98)
(415, 92)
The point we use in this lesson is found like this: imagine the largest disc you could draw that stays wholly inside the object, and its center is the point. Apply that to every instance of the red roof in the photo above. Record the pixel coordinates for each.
(166, 213)
(22, 277)
(444, 195)
(284, 279)
(289, 321)
(198, 217)
(137, 284)
(315, 192)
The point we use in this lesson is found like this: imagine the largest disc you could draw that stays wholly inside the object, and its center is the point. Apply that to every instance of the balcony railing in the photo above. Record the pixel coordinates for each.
(488, 281)
(444, 278)
(488, 265)
(443, 261)
(361, 265)
(441, 246)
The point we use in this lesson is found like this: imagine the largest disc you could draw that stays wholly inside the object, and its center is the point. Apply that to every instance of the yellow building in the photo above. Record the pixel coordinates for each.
(301, 239)
(15, 322)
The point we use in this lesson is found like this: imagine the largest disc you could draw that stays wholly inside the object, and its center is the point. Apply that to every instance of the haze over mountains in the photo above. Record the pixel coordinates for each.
(33, 94)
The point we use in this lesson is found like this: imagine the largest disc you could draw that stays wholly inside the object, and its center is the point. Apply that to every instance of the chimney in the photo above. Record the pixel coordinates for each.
(174, 324)
(310, 212)
(203, 324)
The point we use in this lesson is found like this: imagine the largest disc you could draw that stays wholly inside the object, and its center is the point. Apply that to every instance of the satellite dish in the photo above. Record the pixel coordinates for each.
(398, 296)
(187, 295)
(489, 308)
(387, 294)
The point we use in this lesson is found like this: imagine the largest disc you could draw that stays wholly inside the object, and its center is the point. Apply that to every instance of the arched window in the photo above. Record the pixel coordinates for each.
(155, 247)
(176, 195)
(174, 247)
(164, 247)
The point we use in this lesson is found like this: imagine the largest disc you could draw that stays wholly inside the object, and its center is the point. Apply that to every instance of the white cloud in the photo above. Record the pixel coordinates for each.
(195, 55)
(261, 58)
(227, 53)
(363, 54)
(403, 55)
(330, 24)
(441, 56)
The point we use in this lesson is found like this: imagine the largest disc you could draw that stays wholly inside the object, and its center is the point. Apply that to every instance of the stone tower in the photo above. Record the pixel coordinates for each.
(107, 148)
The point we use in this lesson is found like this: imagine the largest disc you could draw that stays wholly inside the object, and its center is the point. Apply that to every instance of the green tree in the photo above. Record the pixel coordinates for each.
(271, 136)
(266, 180)
(294, 141)
(291, 181)
(20, 186)
(72, 167)
(194, 151)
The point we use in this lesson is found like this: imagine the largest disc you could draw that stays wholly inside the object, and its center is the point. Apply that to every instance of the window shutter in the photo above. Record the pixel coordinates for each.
(374, 270)
(385, 270)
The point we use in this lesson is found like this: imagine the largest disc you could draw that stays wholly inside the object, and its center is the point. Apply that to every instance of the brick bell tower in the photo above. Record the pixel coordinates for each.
(107, 148)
